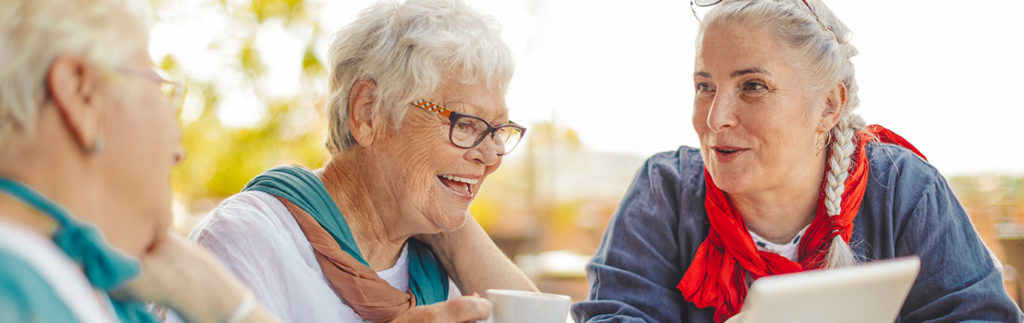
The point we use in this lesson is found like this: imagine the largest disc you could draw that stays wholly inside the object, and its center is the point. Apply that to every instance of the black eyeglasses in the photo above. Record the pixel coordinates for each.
(467, 131)
(707, 3)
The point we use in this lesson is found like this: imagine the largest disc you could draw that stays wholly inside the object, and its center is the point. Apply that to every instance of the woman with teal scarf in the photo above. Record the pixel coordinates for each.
(382, 232)
(87, 142)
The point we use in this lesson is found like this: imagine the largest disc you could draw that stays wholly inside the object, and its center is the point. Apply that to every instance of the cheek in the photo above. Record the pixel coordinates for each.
(421, 156)
(699, 118)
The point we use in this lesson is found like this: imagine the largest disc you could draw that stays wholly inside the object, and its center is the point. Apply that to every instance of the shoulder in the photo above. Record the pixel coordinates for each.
(667, 195)
(674, 171)
(683, 163)
(892, 162)
(242, 214)
(900, 175)
(252, 227)
(26, 296)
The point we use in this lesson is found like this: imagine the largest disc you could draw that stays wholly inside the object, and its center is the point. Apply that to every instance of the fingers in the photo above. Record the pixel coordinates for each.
(466, 308)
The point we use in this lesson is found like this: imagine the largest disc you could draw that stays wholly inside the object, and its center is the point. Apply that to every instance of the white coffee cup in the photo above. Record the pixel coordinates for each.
(516, 306)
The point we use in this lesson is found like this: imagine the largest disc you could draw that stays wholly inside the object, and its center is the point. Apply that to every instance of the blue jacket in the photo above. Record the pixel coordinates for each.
(908, 209)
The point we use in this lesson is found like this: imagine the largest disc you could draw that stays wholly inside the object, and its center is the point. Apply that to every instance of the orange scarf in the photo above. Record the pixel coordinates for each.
(370, 296)
(717, 275)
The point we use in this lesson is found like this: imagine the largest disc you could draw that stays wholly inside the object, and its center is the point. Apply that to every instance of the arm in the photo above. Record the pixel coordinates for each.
(181, 275)
(474, 262)
(958, 279)
(634, 273)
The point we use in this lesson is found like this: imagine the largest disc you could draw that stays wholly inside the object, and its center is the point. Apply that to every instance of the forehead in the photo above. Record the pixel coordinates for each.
(731, 46)
(474, 98)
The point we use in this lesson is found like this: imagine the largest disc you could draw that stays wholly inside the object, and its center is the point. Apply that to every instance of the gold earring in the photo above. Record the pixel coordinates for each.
(824, 139)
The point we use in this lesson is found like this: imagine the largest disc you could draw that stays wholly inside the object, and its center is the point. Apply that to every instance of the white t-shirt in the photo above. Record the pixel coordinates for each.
(62, 273)
(788, 250)
(255, 236)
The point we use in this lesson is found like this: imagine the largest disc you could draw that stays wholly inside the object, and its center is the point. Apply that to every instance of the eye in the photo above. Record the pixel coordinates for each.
(754, 86)
(466, 124)
(704, 87)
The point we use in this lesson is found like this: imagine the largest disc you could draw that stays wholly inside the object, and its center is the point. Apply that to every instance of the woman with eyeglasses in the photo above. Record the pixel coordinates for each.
(382, 232)
(88, 136)
(787, 178)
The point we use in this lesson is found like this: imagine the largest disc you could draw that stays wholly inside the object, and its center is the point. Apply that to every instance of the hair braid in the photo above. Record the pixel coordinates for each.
(839, 253)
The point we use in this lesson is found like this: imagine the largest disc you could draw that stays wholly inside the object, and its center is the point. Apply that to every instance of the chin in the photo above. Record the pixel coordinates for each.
(730, 181)
(453, 220)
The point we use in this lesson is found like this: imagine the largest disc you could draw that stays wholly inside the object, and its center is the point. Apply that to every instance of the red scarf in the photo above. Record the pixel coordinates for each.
(717, 275)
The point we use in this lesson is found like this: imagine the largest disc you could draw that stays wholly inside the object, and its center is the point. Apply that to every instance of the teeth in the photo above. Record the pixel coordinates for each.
(460, 179)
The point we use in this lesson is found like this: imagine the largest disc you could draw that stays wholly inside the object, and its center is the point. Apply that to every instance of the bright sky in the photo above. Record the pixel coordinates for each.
(940, 73)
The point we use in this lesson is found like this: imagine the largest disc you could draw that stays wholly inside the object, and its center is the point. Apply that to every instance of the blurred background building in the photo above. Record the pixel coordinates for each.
(601, 86)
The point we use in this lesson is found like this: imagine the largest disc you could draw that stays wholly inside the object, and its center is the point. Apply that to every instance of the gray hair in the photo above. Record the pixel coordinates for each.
(408, 50)
(821, 44)
(35, 32)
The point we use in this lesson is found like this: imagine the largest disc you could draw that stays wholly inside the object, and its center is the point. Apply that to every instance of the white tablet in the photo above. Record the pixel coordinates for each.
(872, 292)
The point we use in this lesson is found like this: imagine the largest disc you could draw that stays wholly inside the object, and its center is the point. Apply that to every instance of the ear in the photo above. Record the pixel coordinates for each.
(835, 104)
(361, 99)
(73, 85)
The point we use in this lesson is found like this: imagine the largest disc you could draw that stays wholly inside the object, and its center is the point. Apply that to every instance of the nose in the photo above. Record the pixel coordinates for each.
(486, 152)
(721, 113)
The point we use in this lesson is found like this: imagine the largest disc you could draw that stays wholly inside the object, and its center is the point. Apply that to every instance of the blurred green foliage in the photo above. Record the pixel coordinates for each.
(220, 159)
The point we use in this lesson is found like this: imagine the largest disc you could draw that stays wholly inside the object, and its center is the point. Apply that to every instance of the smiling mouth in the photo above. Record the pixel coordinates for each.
(461, 185)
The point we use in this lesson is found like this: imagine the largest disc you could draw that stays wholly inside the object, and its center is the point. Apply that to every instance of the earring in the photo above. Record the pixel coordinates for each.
(97, 147)
(824, 140)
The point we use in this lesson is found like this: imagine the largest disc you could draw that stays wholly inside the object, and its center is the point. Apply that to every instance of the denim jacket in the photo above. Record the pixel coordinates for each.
(908, 209)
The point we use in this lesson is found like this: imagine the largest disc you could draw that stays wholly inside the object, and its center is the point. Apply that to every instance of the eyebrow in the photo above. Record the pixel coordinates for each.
(746, 71)
(751, 70)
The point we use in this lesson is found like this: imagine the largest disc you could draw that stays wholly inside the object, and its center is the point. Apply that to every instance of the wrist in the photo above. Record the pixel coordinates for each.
(243, 310)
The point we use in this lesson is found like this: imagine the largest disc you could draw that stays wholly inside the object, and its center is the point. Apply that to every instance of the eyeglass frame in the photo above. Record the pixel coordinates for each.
(693, 8)
(176, 96)
(454, 116)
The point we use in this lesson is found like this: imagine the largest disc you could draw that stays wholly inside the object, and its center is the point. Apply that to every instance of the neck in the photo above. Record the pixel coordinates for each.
(55, 173)
(16, 212)
(370, 209)
(778, 215)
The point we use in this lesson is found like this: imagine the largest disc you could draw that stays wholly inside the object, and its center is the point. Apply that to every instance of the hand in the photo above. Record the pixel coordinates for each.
(462, 309)
(180, 274)
(168, 268)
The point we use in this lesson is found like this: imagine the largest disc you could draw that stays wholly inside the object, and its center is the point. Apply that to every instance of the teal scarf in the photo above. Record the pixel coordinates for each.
(428, 280)
(105, 268)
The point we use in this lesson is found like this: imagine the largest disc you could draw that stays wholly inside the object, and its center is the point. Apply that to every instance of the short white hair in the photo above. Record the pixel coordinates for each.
(35, 32)
(409, 49)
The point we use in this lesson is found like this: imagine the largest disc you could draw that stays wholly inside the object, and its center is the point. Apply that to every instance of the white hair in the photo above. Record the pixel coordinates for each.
(409, 49)
(35, 32)
(820, 42)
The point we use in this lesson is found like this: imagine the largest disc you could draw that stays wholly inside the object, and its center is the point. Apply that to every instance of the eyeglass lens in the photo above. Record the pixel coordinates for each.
(468, 131)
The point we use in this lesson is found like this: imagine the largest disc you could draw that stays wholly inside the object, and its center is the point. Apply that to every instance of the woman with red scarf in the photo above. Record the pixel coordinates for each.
(787, 178)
